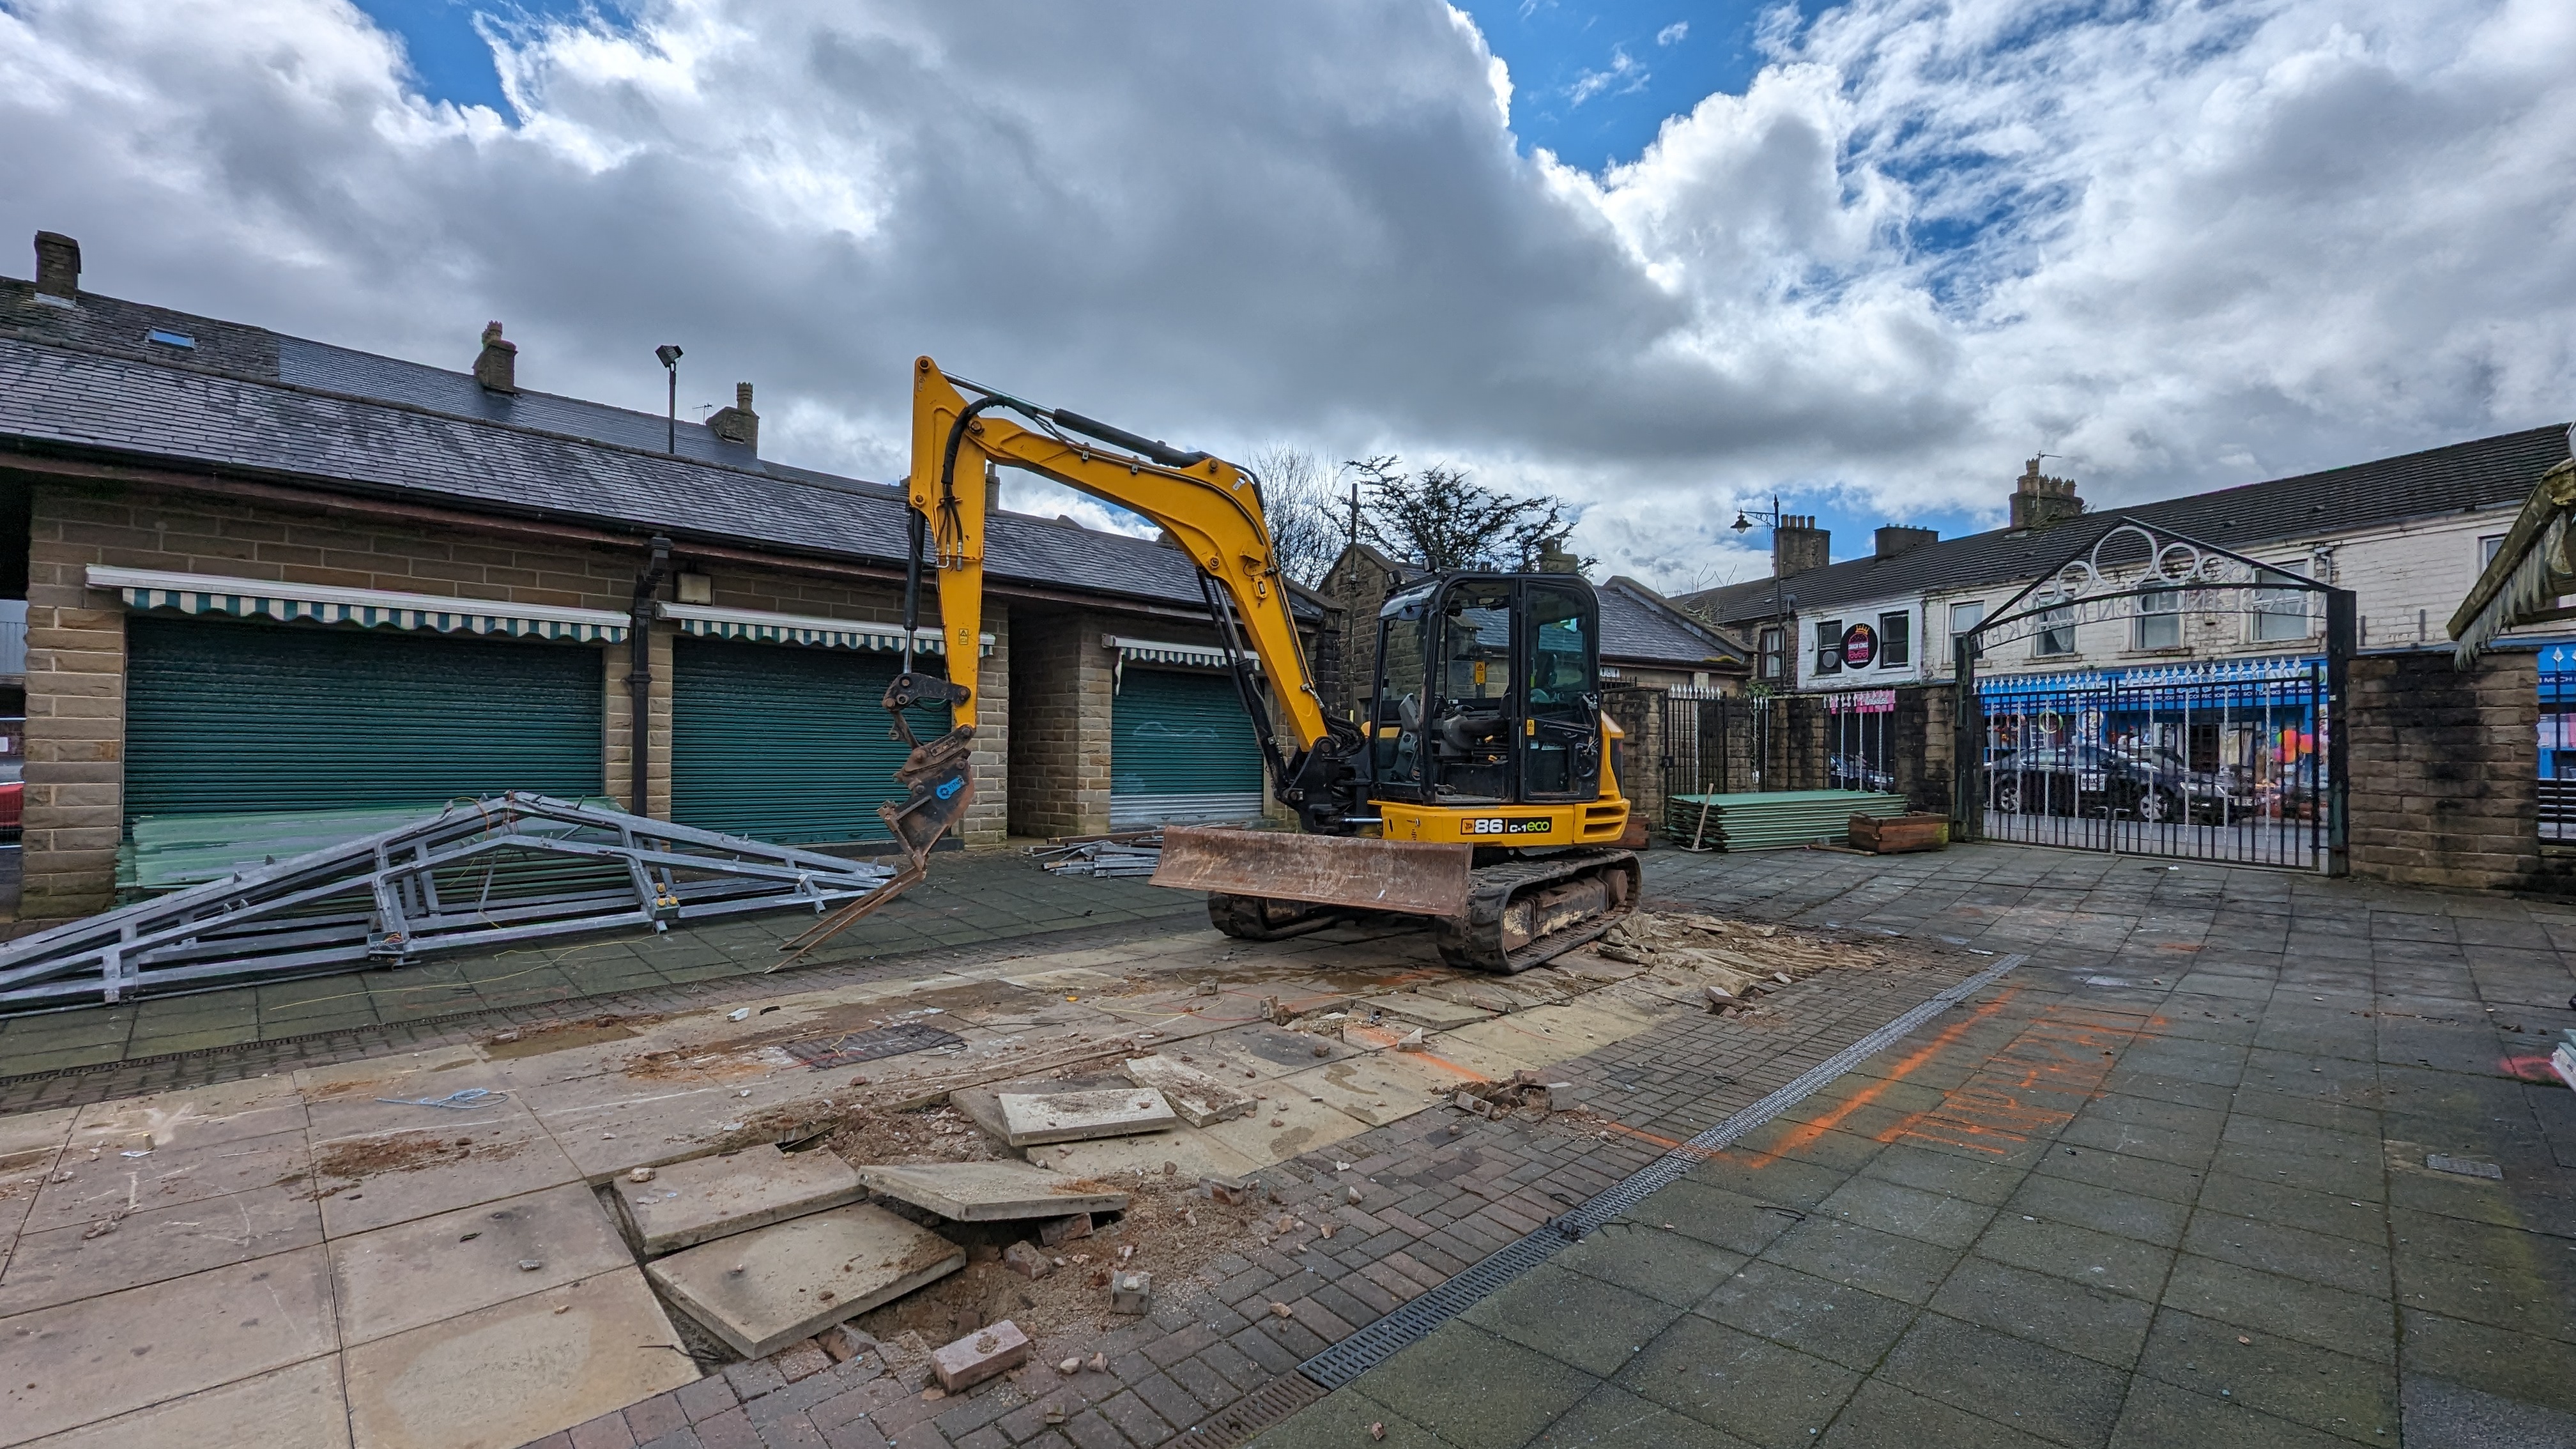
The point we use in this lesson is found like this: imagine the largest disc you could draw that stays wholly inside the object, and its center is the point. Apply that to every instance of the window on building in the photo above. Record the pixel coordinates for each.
(2282, 614)
(1829, 646)
(2488, 548)
(1895, 639)
(2160, 619)
(1963, 619)
(2056, 633)
(1773, 653)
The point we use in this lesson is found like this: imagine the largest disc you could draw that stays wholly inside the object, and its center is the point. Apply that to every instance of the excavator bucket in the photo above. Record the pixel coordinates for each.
(939, 783)
(1334, 870)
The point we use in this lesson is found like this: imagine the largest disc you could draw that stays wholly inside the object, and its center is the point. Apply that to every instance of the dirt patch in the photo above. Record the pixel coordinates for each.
(555, 1036)
(1175, 1232)
(726, 1064)
(354, 1160)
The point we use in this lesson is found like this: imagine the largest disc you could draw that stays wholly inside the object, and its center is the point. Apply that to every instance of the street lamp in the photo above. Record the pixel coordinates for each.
(1745, 521)
(670, 356)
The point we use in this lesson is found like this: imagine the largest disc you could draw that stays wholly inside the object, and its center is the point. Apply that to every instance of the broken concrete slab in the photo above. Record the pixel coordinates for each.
(1199, 1098)
(987, 1352)
(1026, 1115)
(400, 1277)
(764, 1289)
(118, 1352)
(1192, 1153)
(1426, 1011)
(516, 1371)
(705, 1198)
(1377, 1089)
(1282, 1127)
(974, 1192)
(299, 1407)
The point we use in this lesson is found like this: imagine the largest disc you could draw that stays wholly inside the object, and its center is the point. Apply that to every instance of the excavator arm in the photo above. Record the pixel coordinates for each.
(1211, 507)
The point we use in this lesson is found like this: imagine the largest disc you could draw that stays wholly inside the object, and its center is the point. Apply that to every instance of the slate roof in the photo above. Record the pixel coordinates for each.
(2458, 478)
(247, 400)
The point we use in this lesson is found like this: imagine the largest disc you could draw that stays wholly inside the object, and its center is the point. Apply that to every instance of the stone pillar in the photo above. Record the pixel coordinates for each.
(617, 725)
(1059, 748)
(75, 760)
(2444, 770)
(987, 820)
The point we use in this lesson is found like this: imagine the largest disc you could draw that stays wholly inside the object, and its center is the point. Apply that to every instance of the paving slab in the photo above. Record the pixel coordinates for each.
(1379, 1088)
(196, 1117)
(1192, 1154)
(1287, 1124)
(1425, 1011)
(1200, 1099)
(418, 1272)
(1027, 1118)
(704, 1198)
(300, 1407)
(67, 1263)
(991, 1191)
(373, 1182)
(75, 1363)
(762, 1290)
(516, 1371)
(87, 1187)
(1269, 1051)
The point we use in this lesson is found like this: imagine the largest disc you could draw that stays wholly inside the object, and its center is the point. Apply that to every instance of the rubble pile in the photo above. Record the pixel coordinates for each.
(1731, 961)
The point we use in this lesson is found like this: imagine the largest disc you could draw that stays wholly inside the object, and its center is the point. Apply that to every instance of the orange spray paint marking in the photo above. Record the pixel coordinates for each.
(1807, 1133)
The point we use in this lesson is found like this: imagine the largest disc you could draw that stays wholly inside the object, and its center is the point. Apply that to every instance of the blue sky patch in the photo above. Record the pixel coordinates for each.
(1593, 82)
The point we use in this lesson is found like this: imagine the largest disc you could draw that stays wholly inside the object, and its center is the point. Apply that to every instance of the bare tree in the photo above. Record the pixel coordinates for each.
(1441, 520)
(1307, 527)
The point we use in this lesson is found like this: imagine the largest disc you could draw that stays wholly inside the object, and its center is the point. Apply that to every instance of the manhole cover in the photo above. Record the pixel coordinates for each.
(824, 1052)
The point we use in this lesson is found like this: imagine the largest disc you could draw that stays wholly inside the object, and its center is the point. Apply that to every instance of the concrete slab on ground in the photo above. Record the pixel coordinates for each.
(1025, 1118)
(1190, 1152)
(516, 1371)
(762, 1290)
(1200, 1099)
(990, 1191)
(1424, 1011)
(418, 1272)
(704, 1198)
(298, 1407)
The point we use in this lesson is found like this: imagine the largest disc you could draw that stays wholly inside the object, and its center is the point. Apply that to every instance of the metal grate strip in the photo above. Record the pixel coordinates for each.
(1383, 1339)
(1256, 1411)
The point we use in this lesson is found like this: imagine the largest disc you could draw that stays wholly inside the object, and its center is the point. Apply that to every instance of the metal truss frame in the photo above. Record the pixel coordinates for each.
(479, 874)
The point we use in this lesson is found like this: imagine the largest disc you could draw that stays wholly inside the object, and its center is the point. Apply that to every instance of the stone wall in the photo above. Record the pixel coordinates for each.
(2442, 765)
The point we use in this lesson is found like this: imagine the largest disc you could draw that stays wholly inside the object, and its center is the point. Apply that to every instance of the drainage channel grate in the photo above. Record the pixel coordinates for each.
(867, 1046)
(1381, 1340)
(1259, 1410)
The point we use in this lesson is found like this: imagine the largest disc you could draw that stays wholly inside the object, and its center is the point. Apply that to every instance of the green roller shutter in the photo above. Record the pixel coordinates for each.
(226, 717)
(1181, 750)
(785, 744)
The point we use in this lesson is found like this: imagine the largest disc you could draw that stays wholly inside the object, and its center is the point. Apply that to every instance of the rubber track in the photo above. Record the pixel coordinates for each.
(1477, 940)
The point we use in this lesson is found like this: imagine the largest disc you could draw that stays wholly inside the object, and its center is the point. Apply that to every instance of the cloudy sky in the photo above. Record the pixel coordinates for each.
(1657, 257)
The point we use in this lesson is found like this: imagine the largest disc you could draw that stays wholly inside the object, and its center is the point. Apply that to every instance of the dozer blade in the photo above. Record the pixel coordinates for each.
(1334, 870)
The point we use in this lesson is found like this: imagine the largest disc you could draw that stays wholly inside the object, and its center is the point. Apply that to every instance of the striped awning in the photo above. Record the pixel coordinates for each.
(1156, 651)
(759, 626)
(372, 608)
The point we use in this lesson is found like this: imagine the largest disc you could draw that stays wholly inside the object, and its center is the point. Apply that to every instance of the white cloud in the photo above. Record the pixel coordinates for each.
(1623, 77)
(2184, 245)
(1673, 34)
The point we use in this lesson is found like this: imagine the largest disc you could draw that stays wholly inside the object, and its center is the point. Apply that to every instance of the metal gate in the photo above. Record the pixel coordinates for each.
(1861, 745)
(2557, 759)
(2233, 760)
(2204, 770)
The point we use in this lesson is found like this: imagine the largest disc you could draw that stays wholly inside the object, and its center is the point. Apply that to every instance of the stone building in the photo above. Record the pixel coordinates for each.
(262, 572)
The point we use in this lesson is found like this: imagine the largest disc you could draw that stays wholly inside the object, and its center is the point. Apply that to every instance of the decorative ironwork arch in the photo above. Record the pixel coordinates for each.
(2107, 577)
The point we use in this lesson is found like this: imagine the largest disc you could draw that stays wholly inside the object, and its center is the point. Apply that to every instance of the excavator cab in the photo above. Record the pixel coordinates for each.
(1488, 692)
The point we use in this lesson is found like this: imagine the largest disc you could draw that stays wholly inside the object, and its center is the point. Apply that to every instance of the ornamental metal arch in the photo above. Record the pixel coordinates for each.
(2130, 570)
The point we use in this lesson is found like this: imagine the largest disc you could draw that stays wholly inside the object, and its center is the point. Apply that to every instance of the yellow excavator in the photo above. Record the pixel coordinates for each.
(1481, 791)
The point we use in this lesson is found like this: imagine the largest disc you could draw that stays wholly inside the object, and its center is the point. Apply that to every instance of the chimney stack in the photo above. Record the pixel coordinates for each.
(497, 367)
(1896, 539)
(1555, 558)
(2041, 502)
(737, 424)
(57, 266)
(1797, 545)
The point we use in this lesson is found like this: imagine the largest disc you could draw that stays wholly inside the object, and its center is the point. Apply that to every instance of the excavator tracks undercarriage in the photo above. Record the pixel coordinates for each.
(1520, 912)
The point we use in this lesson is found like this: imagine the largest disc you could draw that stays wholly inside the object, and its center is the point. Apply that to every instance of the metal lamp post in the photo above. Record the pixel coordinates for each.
(670, 356)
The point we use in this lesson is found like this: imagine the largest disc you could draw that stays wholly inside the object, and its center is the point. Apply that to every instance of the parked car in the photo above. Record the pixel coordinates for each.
(13, 795)
(2151, 785)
